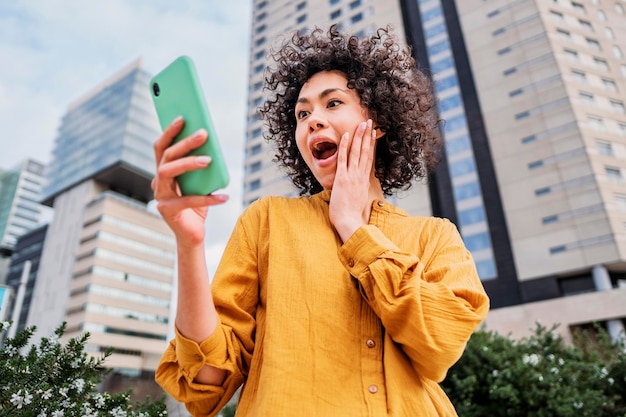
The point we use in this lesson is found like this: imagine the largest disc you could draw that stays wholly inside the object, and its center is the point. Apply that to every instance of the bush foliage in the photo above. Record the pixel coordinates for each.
(50, 379)
(539, 376)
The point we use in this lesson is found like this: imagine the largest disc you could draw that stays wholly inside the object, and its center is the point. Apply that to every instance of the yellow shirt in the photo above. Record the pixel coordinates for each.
(314, 327)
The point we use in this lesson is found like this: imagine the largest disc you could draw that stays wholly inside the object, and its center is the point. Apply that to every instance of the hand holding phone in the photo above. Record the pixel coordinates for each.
(176, 91)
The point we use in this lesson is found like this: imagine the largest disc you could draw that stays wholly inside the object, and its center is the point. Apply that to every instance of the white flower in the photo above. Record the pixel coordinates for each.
(611, 381)
(76, 363)
(4, 325)
(551, 357)
(47, 394)
(58, 413)
(42, 413)
(532, 359)
(79, 384)
(554, 370)
(11, 350)
(578, 405)
(604, 372)
(63, 391)
(485, 348)
(540, 378)
(99, 401)
(561, 361)
(19, 401)
(118, 412)
(88, 412)
(494, 373)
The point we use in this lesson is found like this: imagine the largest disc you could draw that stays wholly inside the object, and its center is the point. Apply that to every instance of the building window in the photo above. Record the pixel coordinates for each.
(550, 219)
(557, 249)
(259, 68)
(259, 41)
(354, 4)
(585, 24)
(613, 174)
(477, 242)
(579, 76)
(256, 149)
(593, 44)
(333, 2)
(622, 129)
(254, 185)
(260, 54)
(617, 52)
(608, 32)
(578, 7)
(564, 34)
(557, 16)
(619, 9)
(535, 164)
(609, 85)
(587, 98)
(618, 106)
(601, 15)
(522, 115)
(604, 148)
(601, 63)
(543, 191)
(516, 92)
(260, 29)
(301, 19)
(356, 18)
(571, 54)
(596, 122)
(301, 6)
(254, 167)
(335, 14)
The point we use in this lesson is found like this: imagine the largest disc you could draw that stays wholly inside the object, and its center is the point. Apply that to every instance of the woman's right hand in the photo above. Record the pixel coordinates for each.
(185, 215)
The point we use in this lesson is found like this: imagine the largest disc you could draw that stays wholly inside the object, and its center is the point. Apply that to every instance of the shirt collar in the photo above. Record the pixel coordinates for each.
(378, 205)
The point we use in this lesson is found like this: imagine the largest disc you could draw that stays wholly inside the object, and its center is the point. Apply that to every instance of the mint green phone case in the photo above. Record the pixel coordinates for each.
(176, 91)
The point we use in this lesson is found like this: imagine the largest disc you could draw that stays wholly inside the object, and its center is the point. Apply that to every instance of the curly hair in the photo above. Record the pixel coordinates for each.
(398, 97)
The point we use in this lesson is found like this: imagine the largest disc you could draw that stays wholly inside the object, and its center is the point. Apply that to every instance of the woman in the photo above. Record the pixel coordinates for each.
(335, 303)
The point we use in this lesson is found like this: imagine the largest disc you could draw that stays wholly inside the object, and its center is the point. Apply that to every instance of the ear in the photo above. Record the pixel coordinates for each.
(379, 133)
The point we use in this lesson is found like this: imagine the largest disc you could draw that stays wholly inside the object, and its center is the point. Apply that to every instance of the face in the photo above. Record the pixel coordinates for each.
(325, 110)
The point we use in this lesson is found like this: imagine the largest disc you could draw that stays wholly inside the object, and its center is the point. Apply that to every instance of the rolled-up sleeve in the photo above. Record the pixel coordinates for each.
(230, 347)
(429, 306)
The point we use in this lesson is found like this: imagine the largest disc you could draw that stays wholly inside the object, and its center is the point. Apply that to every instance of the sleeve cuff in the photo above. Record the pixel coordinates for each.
(365, 246)
(192, 356)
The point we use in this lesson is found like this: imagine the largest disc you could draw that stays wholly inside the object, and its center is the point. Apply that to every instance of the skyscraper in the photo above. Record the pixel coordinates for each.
(20, 211)
(108, 261)
(531, 94)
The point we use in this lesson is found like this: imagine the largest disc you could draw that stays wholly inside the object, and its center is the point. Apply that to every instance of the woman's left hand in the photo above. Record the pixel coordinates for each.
(350, 200)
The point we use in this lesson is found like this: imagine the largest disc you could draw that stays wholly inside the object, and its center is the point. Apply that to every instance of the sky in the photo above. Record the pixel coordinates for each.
(52, 52)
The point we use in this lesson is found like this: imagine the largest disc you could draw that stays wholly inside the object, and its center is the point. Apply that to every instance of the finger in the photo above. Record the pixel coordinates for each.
(179, 166)
(355, 147)
(183, 147)
(342, 153)
(165, 140)
(366, 147)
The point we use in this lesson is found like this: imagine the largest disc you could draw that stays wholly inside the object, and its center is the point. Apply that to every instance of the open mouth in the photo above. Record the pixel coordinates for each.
(324, 150)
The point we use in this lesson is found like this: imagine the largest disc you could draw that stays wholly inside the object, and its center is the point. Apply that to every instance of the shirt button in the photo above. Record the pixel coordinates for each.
(373, 389)
(370, 343)
(351, 263)
(197, 357)
(381, 203)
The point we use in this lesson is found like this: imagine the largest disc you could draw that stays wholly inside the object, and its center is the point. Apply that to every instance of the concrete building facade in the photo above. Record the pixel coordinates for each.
(532, 95)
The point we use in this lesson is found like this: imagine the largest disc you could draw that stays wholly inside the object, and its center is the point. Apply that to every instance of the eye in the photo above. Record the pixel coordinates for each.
(301, 114)
(334, 103)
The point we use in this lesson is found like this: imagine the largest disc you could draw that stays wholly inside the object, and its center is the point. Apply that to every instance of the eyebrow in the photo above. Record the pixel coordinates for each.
(322, 94)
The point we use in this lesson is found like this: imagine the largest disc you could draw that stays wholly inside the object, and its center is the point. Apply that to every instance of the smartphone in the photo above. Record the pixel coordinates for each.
(176, 91)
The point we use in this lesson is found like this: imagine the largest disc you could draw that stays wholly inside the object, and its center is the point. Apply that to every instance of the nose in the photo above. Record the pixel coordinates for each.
(316, 122)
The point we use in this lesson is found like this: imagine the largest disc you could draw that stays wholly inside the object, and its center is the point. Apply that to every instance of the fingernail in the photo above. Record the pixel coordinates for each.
(369, 123)
(203, 160)
(363, 125)
(199, 133)
(177, 120)
(373, 133)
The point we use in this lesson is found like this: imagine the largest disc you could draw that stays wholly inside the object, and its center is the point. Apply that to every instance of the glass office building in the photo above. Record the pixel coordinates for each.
(107, 136)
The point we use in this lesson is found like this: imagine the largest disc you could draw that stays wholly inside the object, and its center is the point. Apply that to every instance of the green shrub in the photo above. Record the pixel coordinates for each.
(539, 376)
(49, 379)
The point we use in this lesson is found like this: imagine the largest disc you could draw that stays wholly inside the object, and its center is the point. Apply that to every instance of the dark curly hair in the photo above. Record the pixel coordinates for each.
(398, 96)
